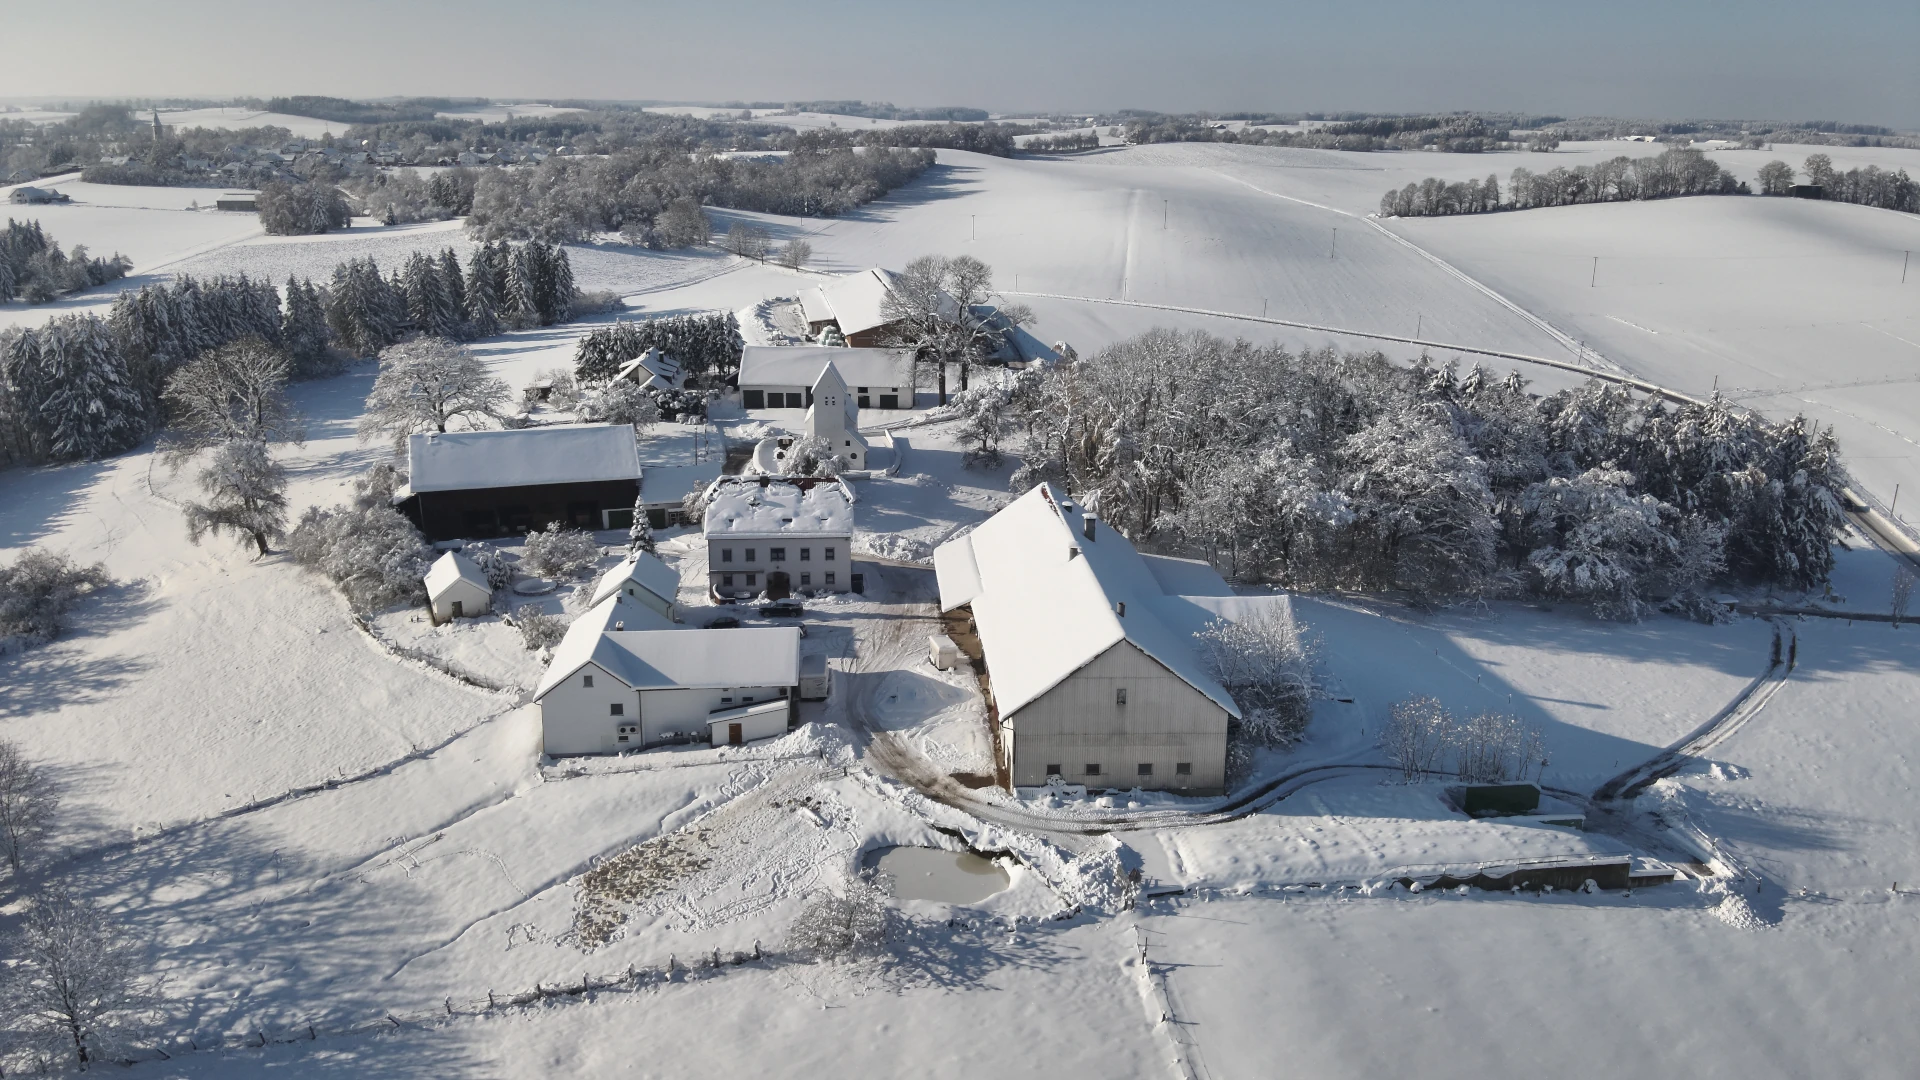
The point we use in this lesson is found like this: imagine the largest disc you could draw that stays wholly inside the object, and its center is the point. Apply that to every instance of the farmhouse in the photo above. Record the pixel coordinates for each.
(652, 370)
(782, 376)
(457, 589)
(643, 579)
(611, 689)
(853, 304)
(779, 536)
(34, 195)
(493, 483)
(1089, 651)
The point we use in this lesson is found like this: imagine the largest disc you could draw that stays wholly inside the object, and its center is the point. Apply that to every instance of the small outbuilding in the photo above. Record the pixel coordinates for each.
(246, 202)
(37, 196)
(457, 589)
(642, 579)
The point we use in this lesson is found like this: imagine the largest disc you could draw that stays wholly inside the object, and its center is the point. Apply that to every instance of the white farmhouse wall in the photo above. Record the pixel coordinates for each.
(806, 575)
(1164, 722)
(578, 719)
(474, 600)
(645, 598)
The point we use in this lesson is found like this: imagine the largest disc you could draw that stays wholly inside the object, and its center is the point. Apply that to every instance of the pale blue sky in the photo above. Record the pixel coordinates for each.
(1762, 59)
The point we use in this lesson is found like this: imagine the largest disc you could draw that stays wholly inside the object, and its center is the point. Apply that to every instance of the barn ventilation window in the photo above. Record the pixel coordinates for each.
(1092, 769)
(1055, 770)
(1120, 695)
(1183, 768)
(586, 682)
(616, 709)
(1145, 769)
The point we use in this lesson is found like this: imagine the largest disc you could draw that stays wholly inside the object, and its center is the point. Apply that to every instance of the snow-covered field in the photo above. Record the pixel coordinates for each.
(446, 860)
(234, 118)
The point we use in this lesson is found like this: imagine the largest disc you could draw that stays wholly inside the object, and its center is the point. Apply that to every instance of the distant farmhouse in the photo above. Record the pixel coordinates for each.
(779, 537)
(37, 196)
(611, 687)
(782, 376)
(243, 201)
(853, 304)
(474, 484)
(1088, 648)
(652, 370)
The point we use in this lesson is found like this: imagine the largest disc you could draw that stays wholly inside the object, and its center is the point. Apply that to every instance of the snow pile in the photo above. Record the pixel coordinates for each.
(893, 546)
(1733, 908)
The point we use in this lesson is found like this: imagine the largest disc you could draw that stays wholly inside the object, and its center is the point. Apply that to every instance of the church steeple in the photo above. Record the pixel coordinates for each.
(156, 125)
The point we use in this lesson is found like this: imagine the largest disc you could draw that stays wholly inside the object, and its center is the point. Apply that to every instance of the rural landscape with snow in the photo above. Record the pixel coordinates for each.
(504, 587)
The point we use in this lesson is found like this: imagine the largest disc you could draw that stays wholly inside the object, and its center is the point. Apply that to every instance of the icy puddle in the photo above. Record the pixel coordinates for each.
(947, 877)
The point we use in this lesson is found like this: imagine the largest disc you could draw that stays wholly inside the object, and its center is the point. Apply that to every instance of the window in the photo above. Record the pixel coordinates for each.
(749, 554)
(776, 554)
(1055, 770)
(616, 709)
(752, 580)
(748, 700)
(1184, 768)
(586, 681)
(806, 554)
(829, 555)
(726, 701)
(860, 390)
(726, 554)
(1092, 769)
(726, 581)
(829, 577)
(1144, 770)
(1120, 695)
(806, 578)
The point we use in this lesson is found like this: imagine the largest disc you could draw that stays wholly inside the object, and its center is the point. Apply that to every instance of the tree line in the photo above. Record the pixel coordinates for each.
(33, 268)
(1325, 470)
(1670, 174)
(707, 347)
(571, 198)
(84, 387)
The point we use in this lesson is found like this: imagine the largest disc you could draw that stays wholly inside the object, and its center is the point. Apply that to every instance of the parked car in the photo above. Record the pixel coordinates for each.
(783, 609)
(724, 622)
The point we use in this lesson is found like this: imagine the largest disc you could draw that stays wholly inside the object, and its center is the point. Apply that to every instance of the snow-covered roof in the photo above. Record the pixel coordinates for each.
(756, 507)
(562, 454)
(644, 570)
(661, 484)
(668, 659)
(451, 568)
(854, 300)
(801, 365)
(653, 370)
(1048, 601)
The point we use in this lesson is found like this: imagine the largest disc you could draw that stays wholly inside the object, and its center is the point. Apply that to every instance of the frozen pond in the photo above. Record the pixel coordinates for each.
(948, 877)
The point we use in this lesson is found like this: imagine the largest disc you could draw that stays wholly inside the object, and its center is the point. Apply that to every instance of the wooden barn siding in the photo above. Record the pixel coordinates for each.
(1165, 721)
(442, 515)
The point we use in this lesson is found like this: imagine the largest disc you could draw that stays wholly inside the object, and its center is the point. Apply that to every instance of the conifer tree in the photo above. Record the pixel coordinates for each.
(483, 294)
(304, 334)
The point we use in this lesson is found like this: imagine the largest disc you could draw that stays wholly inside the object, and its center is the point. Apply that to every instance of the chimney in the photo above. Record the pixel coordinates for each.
(1087, 524)
(1072, 552)
(621, 624)
(1120, 609)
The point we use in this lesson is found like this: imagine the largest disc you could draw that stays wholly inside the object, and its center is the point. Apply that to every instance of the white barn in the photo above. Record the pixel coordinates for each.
(778, 536)
(609, 689)
(783, 376)
(642, 579)
(1088, 643)
(457, 589)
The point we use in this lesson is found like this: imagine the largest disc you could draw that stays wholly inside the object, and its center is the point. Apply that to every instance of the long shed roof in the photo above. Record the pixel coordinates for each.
(523, 457)
(801, 365)
(683, 658)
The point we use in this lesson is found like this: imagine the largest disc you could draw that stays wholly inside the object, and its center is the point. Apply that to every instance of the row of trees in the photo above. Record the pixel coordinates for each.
(301, 209)
(34, 268)
(1423, 739)
(1672, 173)
(86, 387)
(1871, 186)
(1326, 470)
(571, 198)
(707, 347)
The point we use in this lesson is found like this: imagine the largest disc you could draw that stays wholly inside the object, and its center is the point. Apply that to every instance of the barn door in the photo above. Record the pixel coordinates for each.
(735, 737)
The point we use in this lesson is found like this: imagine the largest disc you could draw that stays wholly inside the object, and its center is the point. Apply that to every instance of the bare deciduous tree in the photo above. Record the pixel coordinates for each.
(795, 254)
(425, 383)
(747, 240)
(844, 929)
(1902, 592)
(79, 979)
(28, 800)
(1417, 734)
(237, 391)
(1266, 663)
(938, 307)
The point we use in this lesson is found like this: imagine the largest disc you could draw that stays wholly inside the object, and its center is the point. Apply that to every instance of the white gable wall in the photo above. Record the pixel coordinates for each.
(1164, 722)
(474, 600)
(578, 719)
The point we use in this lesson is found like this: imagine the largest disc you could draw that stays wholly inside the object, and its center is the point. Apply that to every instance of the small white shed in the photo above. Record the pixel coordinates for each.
(734, 727)
(942, 651)
(456, 588)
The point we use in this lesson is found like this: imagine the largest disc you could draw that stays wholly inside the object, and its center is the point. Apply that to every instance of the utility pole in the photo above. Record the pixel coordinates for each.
(1335, 246)
(1903, 267)
(975, 218)
(1896, 500)
(1593, 281)
(1419, 320)
(1163, 215)
(1263, 307)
